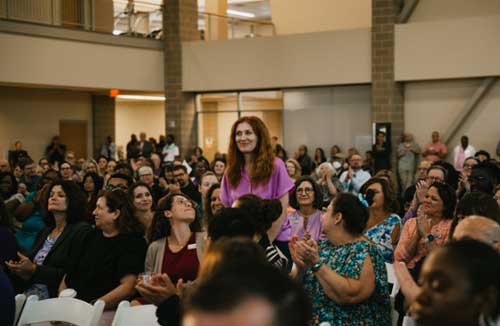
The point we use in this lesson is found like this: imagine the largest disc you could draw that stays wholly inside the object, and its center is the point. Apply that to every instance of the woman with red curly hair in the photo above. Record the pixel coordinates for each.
(252, 168)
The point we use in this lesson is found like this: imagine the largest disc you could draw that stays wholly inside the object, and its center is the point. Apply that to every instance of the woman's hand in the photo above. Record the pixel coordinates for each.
(308, 252)
(292, 245)
(421, 190)
(160, 289)
(23, 268)
(424, 225)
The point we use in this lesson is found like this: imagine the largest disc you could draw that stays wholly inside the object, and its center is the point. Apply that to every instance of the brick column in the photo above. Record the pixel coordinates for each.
(387, 95)
(180, 20)
(103, 117)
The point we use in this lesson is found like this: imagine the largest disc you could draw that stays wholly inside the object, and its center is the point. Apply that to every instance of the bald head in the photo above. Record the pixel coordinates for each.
(478, 228)
(4, 165)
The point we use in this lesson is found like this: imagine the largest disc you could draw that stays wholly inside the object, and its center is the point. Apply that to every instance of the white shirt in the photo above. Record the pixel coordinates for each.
(170, 152)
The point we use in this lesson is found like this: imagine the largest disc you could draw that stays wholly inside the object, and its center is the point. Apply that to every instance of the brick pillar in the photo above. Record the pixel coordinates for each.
(387, 95)
(180, 24)
(103, 117)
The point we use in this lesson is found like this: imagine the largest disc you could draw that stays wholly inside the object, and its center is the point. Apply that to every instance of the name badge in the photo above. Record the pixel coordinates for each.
(191, 246)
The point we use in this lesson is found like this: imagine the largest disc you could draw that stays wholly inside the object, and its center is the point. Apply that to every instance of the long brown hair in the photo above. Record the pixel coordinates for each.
(264, 157)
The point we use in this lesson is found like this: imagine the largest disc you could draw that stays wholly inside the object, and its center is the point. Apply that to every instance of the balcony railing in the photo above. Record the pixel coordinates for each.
(122, 17)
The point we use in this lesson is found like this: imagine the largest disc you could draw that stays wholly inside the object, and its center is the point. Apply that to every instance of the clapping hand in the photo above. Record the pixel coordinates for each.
(160, 289)
(24, 268)
(307, 252)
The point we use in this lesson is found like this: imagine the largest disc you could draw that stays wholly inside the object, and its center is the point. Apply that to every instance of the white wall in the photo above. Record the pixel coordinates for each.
(428, 10)
(434, 105)
(306, 16)
(134, 117)
(33, 115)
(63, 63)
(325, 116)
(314, 59)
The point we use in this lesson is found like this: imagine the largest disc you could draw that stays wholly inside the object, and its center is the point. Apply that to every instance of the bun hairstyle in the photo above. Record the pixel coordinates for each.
(354, 213)
(263, 211)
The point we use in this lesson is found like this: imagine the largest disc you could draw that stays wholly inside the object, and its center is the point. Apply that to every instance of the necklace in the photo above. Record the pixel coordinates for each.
(307, 235)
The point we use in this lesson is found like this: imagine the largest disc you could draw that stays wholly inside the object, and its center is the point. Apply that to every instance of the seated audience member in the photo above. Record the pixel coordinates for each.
(102, 162)
(305, 161)
(293, 169)
(124, 168)
(9, 191)
(200, 167)
(31, 212)
(482, 156)
(212, 204)
(143, 202)
(207, 180)
(4, 166)
(231, 222)
(459, 286)
(186, 185)
(43, 165)
(114, 254)
(29, 178)
(280, 152)
(484, 177)
(119, 181)
(497, 195)
(319, 157)
(146, 176)
(435, 173)
(7, 238)
(92, 185)
(428, 231)
(463, 181)
(67, 171)
(177, 244)
(264, 212)
(247, 294)
(219, 167)
(305, 221)
(475, 203)
(58, 245)
(345, 275)
(327, 182)
(353, 179)
(7, 300)
(384, 225)
(89, 165)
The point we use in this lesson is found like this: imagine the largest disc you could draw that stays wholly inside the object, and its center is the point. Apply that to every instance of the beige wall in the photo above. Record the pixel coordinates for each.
(306, 16)
(434, 105)
(324, 116)
(328, 58)
(428, 10)
(33, 115)
(53, 62)
(460, 48)
(134, 117)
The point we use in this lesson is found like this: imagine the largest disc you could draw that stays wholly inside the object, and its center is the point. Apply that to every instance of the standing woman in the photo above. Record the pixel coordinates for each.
(253, 169)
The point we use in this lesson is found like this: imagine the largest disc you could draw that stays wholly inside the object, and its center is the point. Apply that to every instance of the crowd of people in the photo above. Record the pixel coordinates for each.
(255, 237)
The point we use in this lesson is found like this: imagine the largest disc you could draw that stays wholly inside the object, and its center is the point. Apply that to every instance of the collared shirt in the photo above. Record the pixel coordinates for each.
(170, 152)
(355, 183)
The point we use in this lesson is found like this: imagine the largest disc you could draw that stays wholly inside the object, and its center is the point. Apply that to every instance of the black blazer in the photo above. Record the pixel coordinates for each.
(63, 255)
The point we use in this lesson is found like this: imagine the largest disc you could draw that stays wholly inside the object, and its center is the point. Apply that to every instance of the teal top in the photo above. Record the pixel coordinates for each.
(347, 260)
(31, 226)
(381, 235)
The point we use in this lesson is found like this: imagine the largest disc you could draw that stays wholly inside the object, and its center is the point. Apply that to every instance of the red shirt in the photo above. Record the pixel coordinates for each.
(183, 264)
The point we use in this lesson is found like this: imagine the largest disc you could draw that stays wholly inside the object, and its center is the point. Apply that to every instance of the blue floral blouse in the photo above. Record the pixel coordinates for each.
(347, 260)
(381, 235)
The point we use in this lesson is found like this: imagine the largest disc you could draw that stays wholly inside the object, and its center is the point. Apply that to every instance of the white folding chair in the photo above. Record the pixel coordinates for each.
(391, 279)
(144, 315)
(67, 310)
(408, 321)
(20, 300)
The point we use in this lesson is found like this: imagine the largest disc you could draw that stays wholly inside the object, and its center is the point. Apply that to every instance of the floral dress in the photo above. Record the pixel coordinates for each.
(381, 235)
(347, 260)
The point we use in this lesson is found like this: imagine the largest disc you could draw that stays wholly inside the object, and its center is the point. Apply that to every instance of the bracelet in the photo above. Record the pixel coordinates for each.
(316, 266)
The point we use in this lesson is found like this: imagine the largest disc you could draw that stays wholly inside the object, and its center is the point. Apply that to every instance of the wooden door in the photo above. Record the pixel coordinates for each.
(73, 134)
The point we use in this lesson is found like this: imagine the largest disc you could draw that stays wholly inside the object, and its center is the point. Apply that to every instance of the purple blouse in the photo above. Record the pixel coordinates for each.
(314, 225)
(278, 185)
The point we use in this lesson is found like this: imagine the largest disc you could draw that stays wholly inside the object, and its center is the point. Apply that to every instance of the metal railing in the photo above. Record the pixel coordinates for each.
(221, 27)
(132, 18)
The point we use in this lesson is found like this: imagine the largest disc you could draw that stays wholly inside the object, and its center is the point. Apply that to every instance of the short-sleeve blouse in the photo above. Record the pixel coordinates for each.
(278, 185)
(381, 235)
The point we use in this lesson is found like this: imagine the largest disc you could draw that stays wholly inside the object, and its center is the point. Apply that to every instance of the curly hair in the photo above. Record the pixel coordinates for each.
(160, 226)
(262, 211)
(76, 203)
(126, 223)
(264, 156)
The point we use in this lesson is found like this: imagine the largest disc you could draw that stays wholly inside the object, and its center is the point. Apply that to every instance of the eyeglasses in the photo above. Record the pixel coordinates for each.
(116, 187)
(184, 202)
(304, 190)
(434, 179)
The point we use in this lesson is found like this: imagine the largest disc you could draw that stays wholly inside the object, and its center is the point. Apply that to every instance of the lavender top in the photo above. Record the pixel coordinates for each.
(278, 185)
(314, 225)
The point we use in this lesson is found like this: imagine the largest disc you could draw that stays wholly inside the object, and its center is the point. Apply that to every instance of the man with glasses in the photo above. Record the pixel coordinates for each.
(187, 187)
(119, 181)
(435, 173)
(354, 178)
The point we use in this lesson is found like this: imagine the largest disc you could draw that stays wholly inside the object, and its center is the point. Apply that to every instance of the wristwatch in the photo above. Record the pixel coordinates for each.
(316, 266)
(430, 238)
